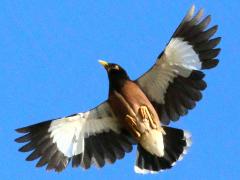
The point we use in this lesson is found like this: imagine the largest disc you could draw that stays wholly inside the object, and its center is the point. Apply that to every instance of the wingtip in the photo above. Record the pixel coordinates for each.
(192, 9)
(21, 130)
(207, 20)
(189, 14)
(219, 40)
(215, 27)
(201, 11)
(199, 14)
(17, 140)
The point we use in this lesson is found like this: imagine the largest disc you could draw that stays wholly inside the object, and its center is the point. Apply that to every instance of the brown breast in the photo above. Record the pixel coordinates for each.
(129, 99)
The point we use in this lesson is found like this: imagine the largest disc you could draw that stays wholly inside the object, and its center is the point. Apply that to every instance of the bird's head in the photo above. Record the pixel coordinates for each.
(116, 74)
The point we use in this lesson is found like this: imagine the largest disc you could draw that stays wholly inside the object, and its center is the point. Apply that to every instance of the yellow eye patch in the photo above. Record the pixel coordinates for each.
(116, 67)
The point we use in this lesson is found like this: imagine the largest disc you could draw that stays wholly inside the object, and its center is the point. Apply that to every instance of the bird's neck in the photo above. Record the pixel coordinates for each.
(117, 84)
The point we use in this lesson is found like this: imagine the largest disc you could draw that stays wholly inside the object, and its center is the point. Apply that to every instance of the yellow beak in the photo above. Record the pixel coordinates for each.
(103, 63)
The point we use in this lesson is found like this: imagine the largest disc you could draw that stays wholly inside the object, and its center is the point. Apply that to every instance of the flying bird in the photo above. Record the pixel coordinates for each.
(137, 112)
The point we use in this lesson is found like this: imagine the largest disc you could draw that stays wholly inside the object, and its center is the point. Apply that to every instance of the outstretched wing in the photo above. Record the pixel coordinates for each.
(93, 137)
(175, 82)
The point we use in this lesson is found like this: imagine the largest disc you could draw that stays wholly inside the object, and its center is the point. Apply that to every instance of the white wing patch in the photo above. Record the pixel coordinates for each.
(179, 58)
(69, 133)
(180, 53)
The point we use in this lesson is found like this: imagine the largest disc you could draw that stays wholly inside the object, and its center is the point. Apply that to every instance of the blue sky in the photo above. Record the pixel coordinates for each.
(48, 68)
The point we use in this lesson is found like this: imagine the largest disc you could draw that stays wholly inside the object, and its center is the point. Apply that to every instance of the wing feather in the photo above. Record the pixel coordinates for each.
(175, 82)
(93, 137)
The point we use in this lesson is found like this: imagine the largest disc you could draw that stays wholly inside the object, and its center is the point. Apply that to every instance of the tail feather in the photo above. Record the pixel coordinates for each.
(176, 142)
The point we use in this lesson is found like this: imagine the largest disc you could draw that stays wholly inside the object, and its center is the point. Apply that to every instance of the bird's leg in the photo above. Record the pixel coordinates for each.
(145, 114)
(133, 125)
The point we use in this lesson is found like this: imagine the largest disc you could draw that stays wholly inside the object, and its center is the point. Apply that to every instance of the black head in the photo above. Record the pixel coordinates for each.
(116, 74)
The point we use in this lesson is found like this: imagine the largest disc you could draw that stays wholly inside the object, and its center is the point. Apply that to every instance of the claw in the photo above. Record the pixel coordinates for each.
(144, 112)
(131, 119)
(133, 125)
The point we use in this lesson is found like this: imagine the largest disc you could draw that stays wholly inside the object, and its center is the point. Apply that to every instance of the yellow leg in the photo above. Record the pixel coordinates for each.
(133, 125)
(144, 112)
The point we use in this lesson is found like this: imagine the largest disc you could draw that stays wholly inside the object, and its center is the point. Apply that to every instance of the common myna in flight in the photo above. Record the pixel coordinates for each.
(136, 112)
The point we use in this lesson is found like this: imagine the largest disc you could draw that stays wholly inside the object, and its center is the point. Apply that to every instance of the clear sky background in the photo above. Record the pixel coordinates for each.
(48, 68)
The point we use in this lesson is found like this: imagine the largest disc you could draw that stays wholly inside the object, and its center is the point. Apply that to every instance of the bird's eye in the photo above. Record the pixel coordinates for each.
(116, 67)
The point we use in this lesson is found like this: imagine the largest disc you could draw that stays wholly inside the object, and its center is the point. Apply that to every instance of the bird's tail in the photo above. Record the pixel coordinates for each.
(176, 143)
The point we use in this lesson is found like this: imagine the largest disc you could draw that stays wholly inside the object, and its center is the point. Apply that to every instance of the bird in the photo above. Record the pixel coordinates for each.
(137, 112)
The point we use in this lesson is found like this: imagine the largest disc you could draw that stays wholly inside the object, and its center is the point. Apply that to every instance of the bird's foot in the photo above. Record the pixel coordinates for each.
(133, 125)
(145, 114)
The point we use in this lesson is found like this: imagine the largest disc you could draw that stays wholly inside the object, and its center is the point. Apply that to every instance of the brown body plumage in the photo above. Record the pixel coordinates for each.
(137, 114)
